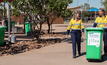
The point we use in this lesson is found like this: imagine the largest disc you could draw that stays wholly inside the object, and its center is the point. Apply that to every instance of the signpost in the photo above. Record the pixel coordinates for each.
(8, 16)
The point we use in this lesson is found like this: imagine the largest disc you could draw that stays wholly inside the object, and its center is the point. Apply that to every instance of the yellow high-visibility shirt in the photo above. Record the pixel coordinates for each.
(75, 24)
(100, 22)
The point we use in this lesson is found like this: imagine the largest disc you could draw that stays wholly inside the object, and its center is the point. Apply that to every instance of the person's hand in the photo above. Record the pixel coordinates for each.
(67, 35)
(82, 33)
(105, 24)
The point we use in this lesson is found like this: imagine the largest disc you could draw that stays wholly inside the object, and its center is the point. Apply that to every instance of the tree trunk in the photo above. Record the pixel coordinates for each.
(33, 30)
(48, 28)
(39, 33)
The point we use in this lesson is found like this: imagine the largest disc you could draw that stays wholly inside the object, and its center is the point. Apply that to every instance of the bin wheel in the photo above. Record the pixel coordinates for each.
(4, 43)
(102, 58)
(88, 60)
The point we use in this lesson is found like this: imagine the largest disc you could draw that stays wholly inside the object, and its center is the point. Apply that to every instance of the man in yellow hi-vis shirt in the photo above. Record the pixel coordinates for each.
(76, 25)
(101, 21)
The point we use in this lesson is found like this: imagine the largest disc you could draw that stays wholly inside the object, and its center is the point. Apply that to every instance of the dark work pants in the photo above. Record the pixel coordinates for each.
(76, 38)
(105, 41)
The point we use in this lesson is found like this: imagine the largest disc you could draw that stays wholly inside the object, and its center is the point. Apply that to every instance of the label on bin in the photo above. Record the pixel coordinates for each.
(94, 39)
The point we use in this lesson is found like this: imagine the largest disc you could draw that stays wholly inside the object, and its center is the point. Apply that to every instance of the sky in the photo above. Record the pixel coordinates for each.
(93, 3)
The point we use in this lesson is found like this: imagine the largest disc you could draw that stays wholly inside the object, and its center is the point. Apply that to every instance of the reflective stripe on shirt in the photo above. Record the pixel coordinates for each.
(69, 25)
(81, 24)
(101, 23)
(78, 24)
(75, 24)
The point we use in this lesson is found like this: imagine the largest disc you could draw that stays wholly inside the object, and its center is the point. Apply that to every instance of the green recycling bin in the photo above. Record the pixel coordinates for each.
(28, 28)
(12, 22)
(94, 43)
(2, 34)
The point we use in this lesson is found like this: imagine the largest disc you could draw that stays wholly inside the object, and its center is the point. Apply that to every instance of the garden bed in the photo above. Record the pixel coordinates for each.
(23, 46)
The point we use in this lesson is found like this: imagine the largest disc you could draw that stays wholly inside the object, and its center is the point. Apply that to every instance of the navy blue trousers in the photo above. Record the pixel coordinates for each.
(76, 38)
(105, 41)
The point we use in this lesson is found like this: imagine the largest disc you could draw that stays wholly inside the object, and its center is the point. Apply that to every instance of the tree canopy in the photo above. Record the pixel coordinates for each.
(104, 3)
(86, 6)
(45, 9)
(41, 10)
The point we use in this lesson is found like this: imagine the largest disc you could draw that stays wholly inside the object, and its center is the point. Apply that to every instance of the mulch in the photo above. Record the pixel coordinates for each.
(24, 46)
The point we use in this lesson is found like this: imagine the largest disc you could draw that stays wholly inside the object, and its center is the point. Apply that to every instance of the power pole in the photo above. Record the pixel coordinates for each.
(88, 1)
(77, 3)
(8, 16)
(4, 11)
(81, 11)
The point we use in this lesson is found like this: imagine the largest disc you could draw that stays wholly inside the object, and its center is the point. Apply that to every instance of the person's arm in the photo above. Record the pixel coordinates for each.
(82, 26)
(69, 27)
(95, 23)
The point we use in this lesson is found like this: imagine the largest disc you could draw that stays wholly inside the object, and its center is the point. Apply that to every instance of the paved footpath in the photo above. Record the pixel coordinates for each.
(56, 54)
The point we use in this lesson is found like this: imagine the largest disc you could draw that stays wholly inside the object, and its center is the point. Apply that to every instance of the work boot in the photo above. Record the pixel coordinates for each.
(79, 53)
(74, 57)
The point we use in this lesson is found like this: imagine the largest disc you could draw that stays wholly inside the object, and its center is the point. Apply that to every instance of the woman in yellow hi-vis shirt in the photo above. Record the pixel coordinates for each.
(76, 26)
(101, 21)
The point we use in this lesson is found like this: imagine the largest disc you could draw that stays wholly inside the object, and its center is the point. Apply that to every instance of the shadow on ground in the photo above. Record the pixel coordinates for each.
(104, 58)
(69, 40)
(84, 53)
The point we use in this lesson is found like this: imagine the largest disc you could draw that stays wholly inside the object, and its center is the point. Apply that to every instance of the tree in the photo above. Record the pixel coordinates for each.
(42, 11)
(1, 10)
(86, 6)
(15, 12)
(33, 12)
(85, 14)
(104, 3)
(92, 7)
(57, 8)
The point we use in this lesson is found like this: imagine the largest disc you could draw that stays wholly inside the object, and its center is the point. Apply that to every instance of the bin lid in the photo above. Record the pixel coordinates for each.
(3, 27)
(94, 28)
(10, 21)
(28, 22)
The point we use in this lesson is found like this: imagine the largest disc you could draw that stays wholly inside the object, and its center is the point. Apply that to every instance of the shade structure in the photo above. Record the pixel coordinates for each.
(3, 0)
(93, 10)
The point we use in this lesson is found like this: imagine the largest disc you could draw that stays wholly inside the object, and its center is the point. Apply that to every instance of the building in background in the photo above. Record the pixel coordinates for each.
(20, 20)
